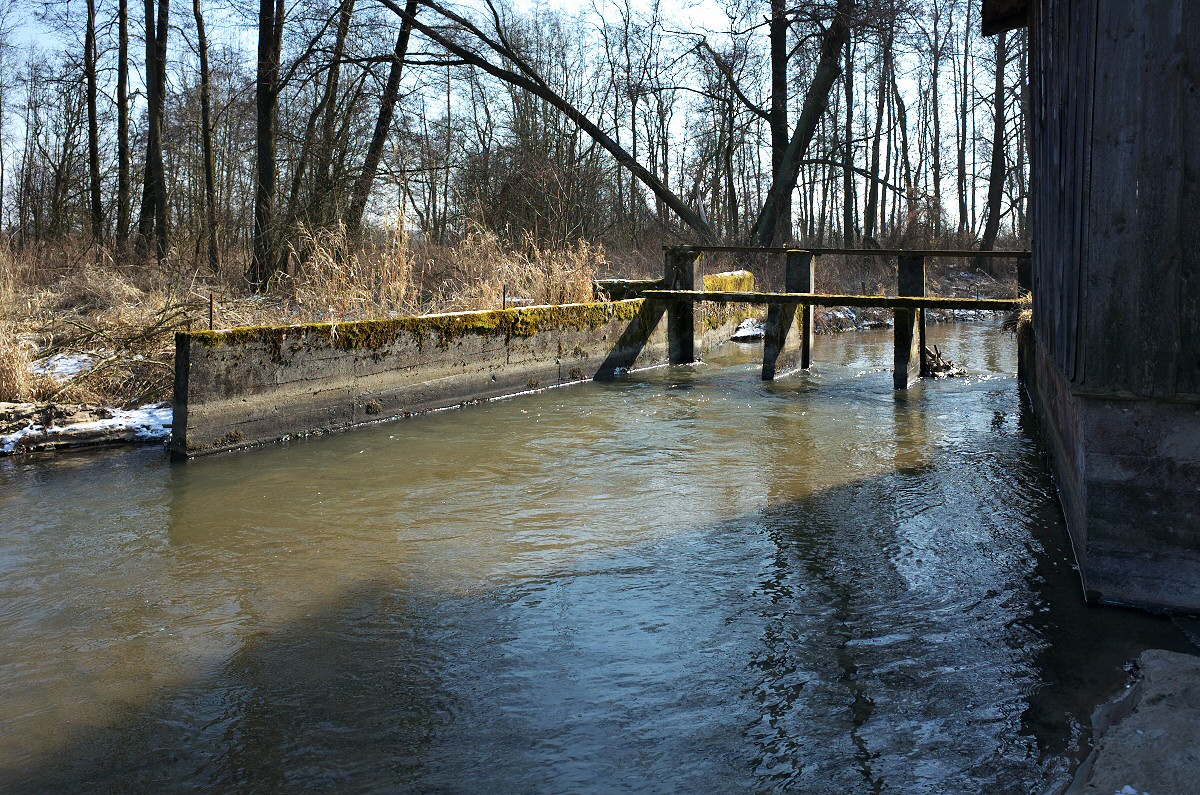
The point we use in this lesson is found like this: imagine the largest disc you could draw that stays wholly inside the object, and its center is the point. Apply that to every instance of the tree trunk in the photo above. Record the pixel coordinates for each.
(206, 145)
(848, 220)
(779, 117)
(991, 228)
(872, 207)
(935, 112)
(152, 217)
(123, 200)
(816, 102)
(910, 190)
(160, 175)
(270, 26)
(325, 192)
(961, 127)
(95, 207)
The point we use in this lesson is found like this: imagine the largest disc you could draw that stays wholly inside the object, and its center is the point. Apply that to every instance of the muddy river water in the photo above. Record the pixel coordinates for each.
(683, 580)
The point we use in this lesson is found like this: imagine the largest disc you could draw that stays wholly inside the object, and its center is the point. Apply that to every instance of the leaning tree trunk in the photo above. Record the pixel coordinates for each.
(325, 193)
(991, 228)
(816, 102)
(779, 25)
(383, 123)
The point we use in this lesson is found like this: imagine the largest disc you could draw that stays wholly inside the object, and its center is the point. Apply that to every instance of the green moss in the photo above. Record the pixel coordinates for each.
(442, 329)
(714, 315)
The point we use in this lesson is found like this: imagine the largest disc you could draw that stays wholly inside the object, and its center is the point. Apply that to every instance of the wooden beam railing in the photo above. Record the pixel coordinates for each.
(820, 299)
(789, 323)
(860, 252)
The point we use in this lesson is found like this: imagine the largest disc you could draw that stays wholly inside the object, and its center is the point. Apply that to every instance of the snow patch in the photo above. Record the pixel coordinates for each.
(147, 424)
(63, 366)
(749, 329)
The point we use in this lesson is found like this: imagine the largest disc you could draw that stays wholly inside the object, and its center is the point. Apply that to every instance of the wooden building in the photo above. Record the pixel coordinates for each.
(1113, 368)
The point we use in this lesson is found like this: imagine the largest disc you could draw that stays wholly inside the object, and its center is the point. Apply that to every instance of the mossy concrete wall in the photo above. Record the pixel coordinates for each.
(246, 386)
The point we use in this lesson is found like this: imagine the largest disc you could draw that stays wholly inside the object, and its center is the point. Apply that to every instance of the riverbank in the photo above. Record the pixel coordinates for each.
(1147, 739)
(46, 427)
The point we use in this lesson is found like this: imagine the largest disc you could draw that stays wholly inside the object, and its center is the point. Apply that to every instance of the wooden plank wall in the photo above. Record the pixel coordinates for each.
(1115, 94)
(1061, 52)
(1142, 301)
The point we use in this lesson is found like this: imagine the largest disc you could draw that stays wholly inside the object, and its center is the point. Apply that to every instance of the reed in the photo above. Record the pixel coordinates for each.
(123, 313)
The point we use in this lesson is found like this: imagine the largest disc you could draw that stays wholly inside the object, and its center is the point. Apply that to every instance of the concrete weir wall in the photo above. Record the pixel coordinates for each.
(246, 386)
(1128, 475)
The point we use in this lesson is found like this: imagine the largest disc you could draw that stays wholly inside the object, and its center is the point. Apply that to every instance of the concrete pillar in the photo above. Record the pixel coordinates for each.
(680, 274)
(787, 344)
(910, 324)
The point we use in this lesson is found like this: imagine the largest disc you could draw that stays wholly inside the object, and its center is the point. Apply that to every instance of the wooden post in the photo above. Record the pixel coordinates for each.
(910, 324)
(680, 274)
(799, 278)
(787, 342)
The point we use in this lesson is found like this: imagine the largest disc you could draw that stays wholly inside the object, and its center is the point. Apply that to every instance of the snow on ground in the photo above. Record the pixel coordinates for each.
(145, 424)
(62, 366)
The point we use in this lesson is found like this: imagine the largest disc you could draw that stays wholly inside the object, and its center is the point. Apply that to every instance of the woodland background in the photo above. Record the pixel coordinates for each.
(333, 160)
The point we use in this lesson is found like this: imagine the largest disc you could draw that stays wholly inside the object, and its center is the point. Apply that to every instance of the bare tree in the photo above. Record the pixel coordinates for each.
(206, 143)
(270, 34)
(123, 191)
(96, 215)
(991, 228)
(387, 106)
(152, 218)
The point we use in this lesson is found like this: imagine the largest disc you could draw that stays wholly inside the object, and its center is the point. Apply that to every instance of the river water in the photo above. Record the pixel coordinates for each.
(683, 580)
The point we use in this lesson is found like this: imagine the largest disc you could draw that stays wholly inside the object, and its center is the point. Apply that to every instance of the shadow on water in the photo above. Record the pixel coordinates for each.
(898, 613)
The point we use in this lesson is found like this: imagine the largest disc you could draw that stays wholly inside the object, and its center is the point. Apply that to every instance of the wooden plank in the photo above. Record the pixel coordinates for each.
(1062, 46)
(1187, 376)
(817, 299)
(862, 252)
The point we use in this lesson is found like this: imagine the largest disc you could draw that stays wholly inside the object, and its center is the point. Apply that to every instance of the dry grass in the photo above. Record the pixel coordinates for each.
(1019, 321)
(484, 272)
(333, 283)
(17, 379)
(124, 314)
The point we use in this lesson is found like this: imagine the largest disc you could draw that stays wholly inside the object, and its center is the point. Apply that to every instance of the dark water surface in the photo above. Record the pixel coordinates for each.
(682, 581)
